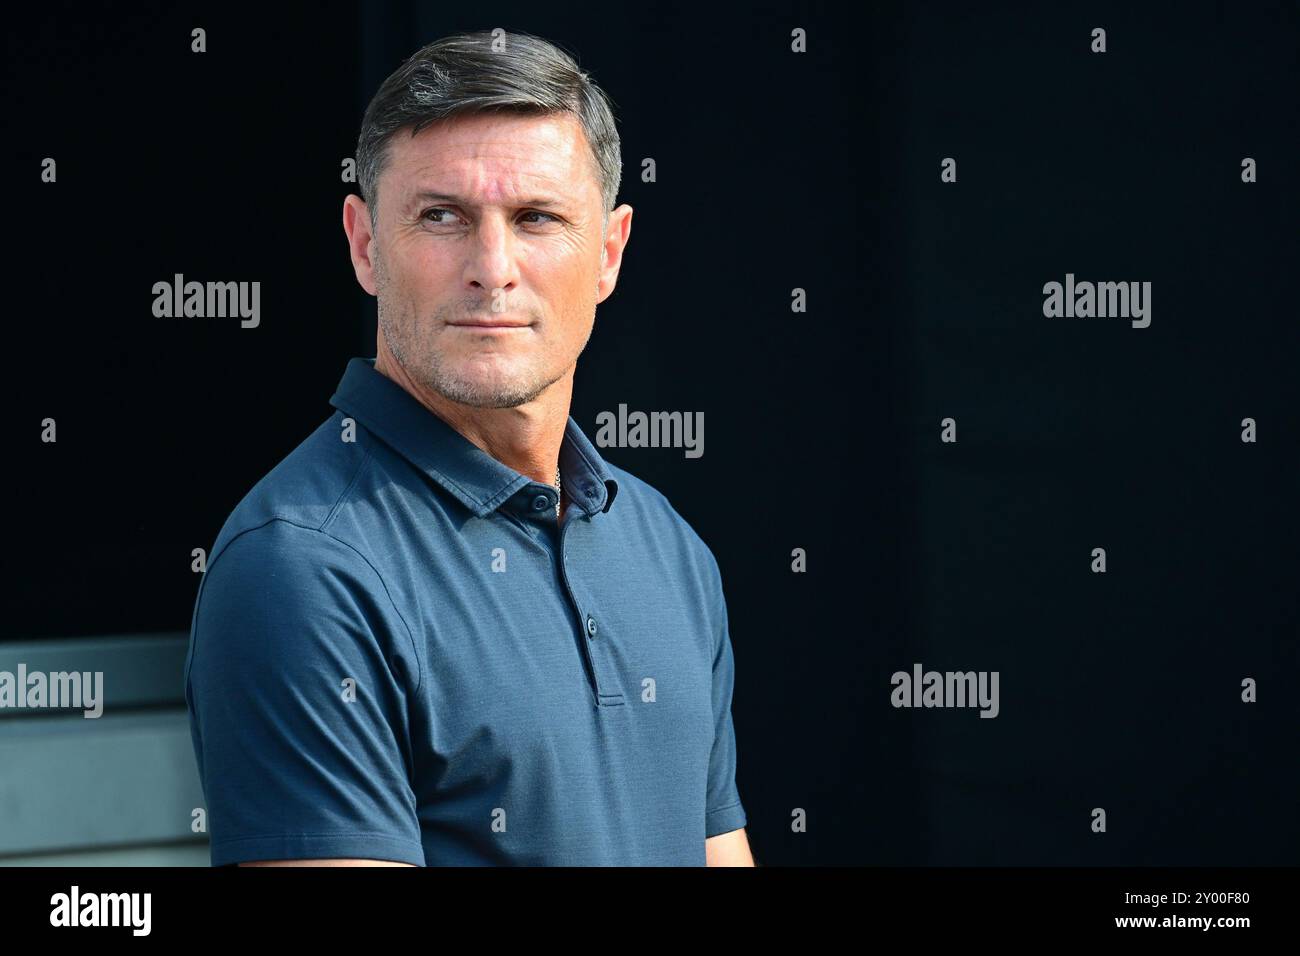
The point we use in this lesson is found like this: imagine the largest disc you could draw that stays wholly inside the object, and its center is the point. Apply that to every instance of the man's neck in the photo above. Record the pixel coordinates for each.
(526, 438)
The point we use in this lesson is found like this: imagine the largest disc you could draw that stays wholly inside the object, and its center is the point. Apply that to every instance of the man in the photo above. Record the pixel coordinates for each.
(443, 630)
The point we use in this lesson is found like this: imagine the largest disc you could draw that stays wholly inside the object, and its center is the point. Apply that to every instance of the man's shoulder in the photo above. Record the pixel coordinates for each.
(651, 509)
(297, 498)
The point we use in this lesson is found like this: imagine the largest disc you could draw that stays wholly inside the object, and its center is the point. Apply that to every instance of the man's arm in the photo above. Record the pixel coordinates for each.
(299, 683)
(323, 863)
(728, 849)
(725, 842)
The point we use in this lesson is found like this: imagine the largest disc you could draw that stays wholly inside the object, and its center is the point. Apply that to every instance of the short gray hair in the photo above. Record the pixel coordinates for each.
(467, 74)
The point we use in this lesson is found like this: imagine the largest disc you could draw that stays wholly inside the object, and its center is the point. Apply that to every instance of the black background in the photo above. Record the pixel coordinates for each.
(775, 171)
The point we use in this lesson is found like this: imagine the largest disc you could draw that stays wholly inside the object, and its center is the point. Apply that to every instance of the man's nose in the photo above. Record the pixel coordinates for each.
(492, 255)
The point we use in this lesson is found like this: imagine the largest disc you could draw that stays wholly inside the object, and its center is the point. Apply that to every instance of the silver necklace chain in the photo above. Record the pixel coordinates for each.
(559, 493)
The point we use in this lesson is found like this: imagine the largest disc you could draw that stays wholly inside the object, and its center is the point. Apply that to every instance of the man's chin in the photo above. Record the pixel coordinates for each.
(493, 394)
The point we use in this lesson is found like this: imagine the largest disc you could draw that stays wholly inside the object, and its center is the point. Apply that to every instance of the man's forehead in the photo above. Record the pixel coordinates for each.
(502, 157)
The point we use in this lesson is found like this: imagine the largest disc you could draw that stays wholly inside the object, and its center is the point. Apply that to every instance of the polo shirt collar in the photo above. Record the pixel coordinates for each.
(471, 475)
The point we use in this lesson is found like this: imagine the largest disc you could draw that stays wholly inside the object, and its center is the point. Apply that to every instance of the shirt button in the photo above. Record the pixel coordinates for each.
(541, 503)
(591, 626)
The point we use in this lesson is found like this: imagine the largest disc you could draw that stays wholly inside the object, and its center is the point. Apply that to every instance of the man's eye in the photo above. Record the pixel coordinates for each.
(438, 211)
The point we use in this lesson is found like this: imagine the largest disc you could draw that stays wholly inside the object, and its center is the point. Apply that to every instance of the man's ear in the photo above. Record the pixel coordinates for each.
(356, 225)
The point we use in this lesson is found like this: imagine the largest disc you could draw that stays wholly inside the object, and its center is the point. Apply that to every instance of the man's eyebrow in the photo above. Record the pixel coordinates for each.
(426, 195)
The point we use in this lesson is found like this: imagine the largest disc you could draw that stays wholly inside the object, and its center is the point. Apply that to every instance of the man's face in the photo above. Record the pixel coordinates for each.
(487, 255)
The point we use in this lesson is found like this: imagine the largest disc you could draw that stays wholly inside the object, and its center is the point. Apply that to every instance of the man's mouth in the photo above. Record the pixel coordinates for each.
(492, 324)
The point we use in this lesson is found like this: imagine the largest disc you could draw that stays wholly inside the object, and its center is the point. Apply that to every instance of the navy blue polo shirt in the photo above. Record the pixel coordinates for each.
(398, 653)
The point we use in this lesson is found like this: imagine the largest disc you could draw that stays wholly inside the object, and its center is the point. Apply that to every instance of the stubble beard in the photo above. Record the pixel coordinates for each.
(425, 366)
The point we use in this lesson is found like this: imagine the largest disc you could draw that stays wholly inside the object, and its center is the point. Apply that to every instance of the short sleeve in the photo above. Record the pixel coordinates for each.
(724, 811)
(298, 680)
